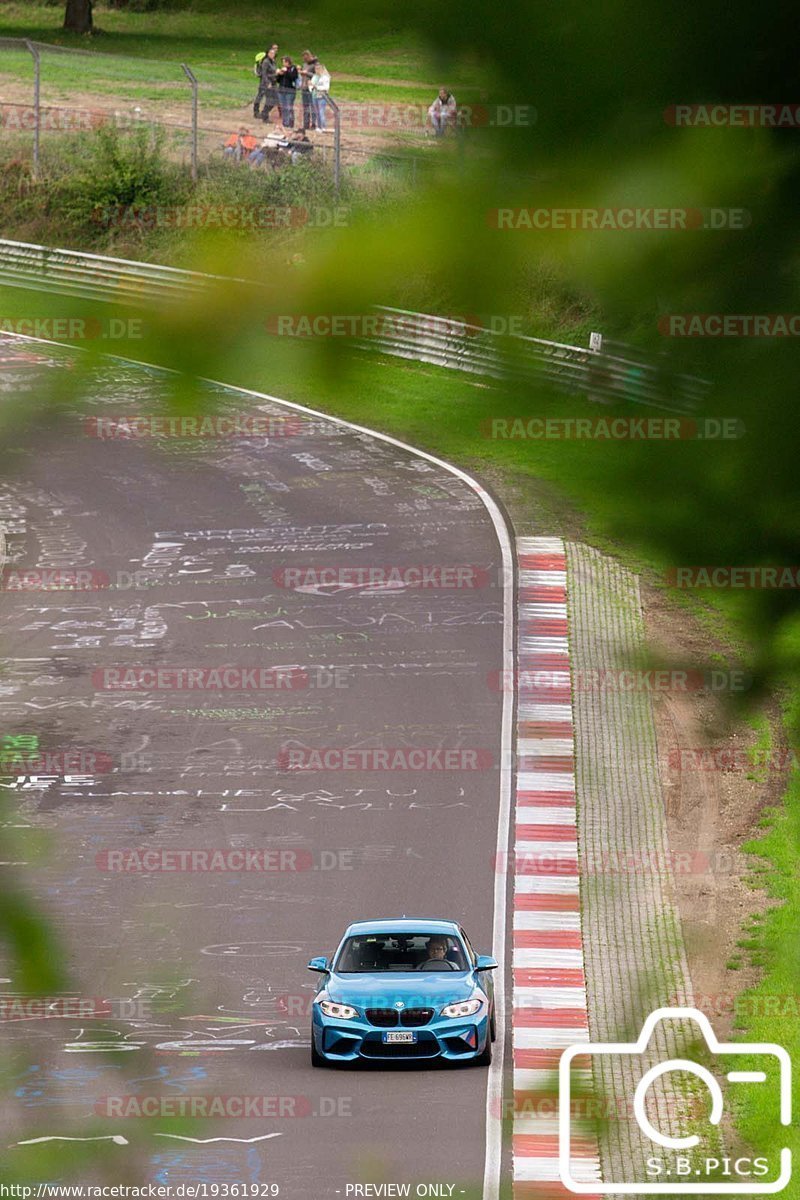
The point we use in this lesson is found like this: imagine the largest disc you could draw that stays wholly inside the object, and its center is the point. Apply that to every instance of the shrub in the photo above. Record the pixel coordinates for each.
(114, 169)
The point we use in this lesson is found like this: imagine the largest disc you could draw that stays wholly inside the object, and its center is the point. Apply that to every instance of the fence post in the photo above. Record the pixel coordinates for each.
(597, 375)
(337, 145)
(190, 75)
(37, 109)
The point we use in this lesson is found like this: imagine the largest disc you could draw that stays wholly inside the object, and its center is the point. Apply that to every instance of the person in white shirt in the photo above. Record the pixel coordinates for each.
(319, 87)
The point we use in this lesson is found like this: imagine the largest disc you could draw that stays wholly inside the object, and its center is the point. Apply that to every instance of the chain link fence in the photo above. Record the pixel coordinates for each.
(51, 93)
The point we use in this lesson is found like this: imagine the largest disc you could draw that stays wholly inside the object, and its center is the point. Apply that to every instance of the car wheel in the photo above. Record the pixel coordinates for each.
(485, 1056)
(493, 1028)
(316, 1058)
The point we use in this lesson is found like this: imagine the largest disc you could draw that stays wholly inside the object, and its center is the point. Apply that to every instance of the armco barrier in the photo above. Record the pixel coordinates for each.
(602, 376)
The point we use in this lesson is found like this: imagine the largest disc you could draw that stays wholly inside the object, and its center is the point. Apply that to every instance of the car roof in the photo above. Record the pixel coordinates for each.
(402, 925)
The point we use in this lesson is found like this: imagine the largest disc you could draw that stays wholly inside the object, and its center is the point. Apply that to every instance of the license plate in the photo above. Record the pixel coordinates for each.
(397, 1036)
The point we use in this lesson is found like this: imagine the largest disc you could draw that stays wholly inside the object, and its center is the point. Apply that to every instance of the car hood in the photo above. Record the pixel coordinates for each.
(416, 989)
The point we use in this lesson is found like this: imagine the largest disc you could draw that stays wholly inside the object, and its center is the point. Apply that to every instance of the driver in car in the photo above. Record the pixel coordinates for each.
(436, 960)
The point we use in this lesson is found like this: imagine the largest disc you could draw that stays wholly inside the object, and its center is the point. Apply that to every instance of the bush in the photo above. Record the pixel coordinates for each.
(113, 170)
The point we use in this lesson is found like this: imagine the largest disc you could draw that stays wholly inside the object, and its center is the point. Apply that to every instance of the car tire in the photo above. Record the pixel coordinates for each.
(316, 1058)
(485, 1057)
(493, 1028)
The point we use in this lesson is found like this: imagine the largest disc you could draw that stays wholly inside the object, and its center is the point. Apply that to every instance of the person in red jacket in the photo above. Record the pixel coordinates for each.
(240, 144)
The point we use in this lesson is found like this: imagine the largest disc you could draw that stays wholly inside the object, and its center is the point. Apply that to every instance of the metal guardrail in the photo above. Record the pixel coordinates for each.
(420, 337)
(94, 277)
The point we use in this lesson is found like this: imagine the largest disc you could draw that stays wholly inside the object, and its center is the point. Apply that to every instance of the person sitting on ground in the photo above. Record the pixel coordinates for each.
(300, 146)
(319, 87)
(443, 112)
(270, 149)
(240, 144)
(267, 85)
(306, 74)
(287, 76)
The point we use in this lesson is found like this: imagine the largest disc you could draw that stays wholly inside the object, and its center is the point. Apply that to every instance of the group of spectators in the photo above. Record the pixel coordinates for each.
(279, 81)
(244, 146)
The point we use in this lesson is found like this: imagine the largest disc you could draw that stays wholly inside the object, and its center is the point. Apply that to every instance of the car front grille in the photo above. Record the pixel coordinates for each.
(384, 1018)
(414, 1017)
(399, 1050)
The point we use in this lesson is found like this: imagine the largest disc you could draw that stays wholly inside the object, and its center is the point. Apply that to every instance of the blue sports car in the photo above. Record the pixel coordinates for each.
(403, 989)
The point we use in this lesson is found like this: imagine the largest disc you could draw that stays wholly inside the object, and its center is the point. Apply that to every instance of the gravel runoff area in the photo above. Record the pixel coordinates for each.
(635, 958)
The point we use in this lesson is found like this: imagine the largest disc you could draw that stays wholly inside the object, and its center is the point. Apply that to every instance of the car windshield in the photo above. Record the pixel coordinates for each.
(368, 952)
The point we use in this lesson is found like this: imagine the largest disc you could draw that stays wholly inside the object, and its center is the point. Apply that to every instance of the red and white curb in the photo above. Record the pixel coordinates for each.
(549, 985)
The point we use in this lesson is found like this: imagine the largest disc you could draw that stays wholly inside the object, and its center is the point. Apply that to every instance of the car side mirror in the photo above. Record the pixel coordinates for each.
(486, 963)
(319, 964)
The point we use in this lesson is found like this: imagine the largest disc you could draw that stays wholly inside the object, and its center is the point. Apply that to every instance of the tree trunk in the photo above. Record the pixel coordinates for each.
(78, 17)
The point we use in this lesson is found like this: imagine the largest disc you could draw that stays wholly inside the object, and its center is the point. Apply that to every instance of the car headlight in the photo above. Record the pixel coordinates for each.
(464, 1008)
(343, 1011)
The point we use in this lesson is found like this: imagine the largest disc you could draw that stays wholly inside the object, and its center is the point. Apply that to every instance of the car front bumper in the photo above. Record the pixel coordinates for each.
(454, 1039)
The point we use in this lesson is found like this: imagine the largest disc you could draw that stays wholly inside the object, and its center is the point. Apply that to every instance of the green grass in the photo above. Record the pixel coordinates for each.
(221, 57)
(770, 1011)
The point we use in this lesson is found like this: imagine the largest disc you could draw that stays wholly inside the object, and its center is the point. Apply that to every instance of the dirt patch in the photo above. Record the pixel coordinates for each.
(714, 796)
(70, 111)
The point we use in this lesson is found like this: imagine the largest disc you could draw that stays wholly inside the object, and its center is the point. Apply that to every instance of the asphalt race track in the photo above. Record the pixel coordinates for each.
(184, 543)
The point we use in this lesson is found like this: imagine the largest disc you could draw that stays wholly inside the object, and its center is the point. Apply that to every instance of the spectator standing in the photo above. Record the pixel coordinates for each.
(306, 73)
(320, 86)
(287, 76)
(443, 112)
(267, 89)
